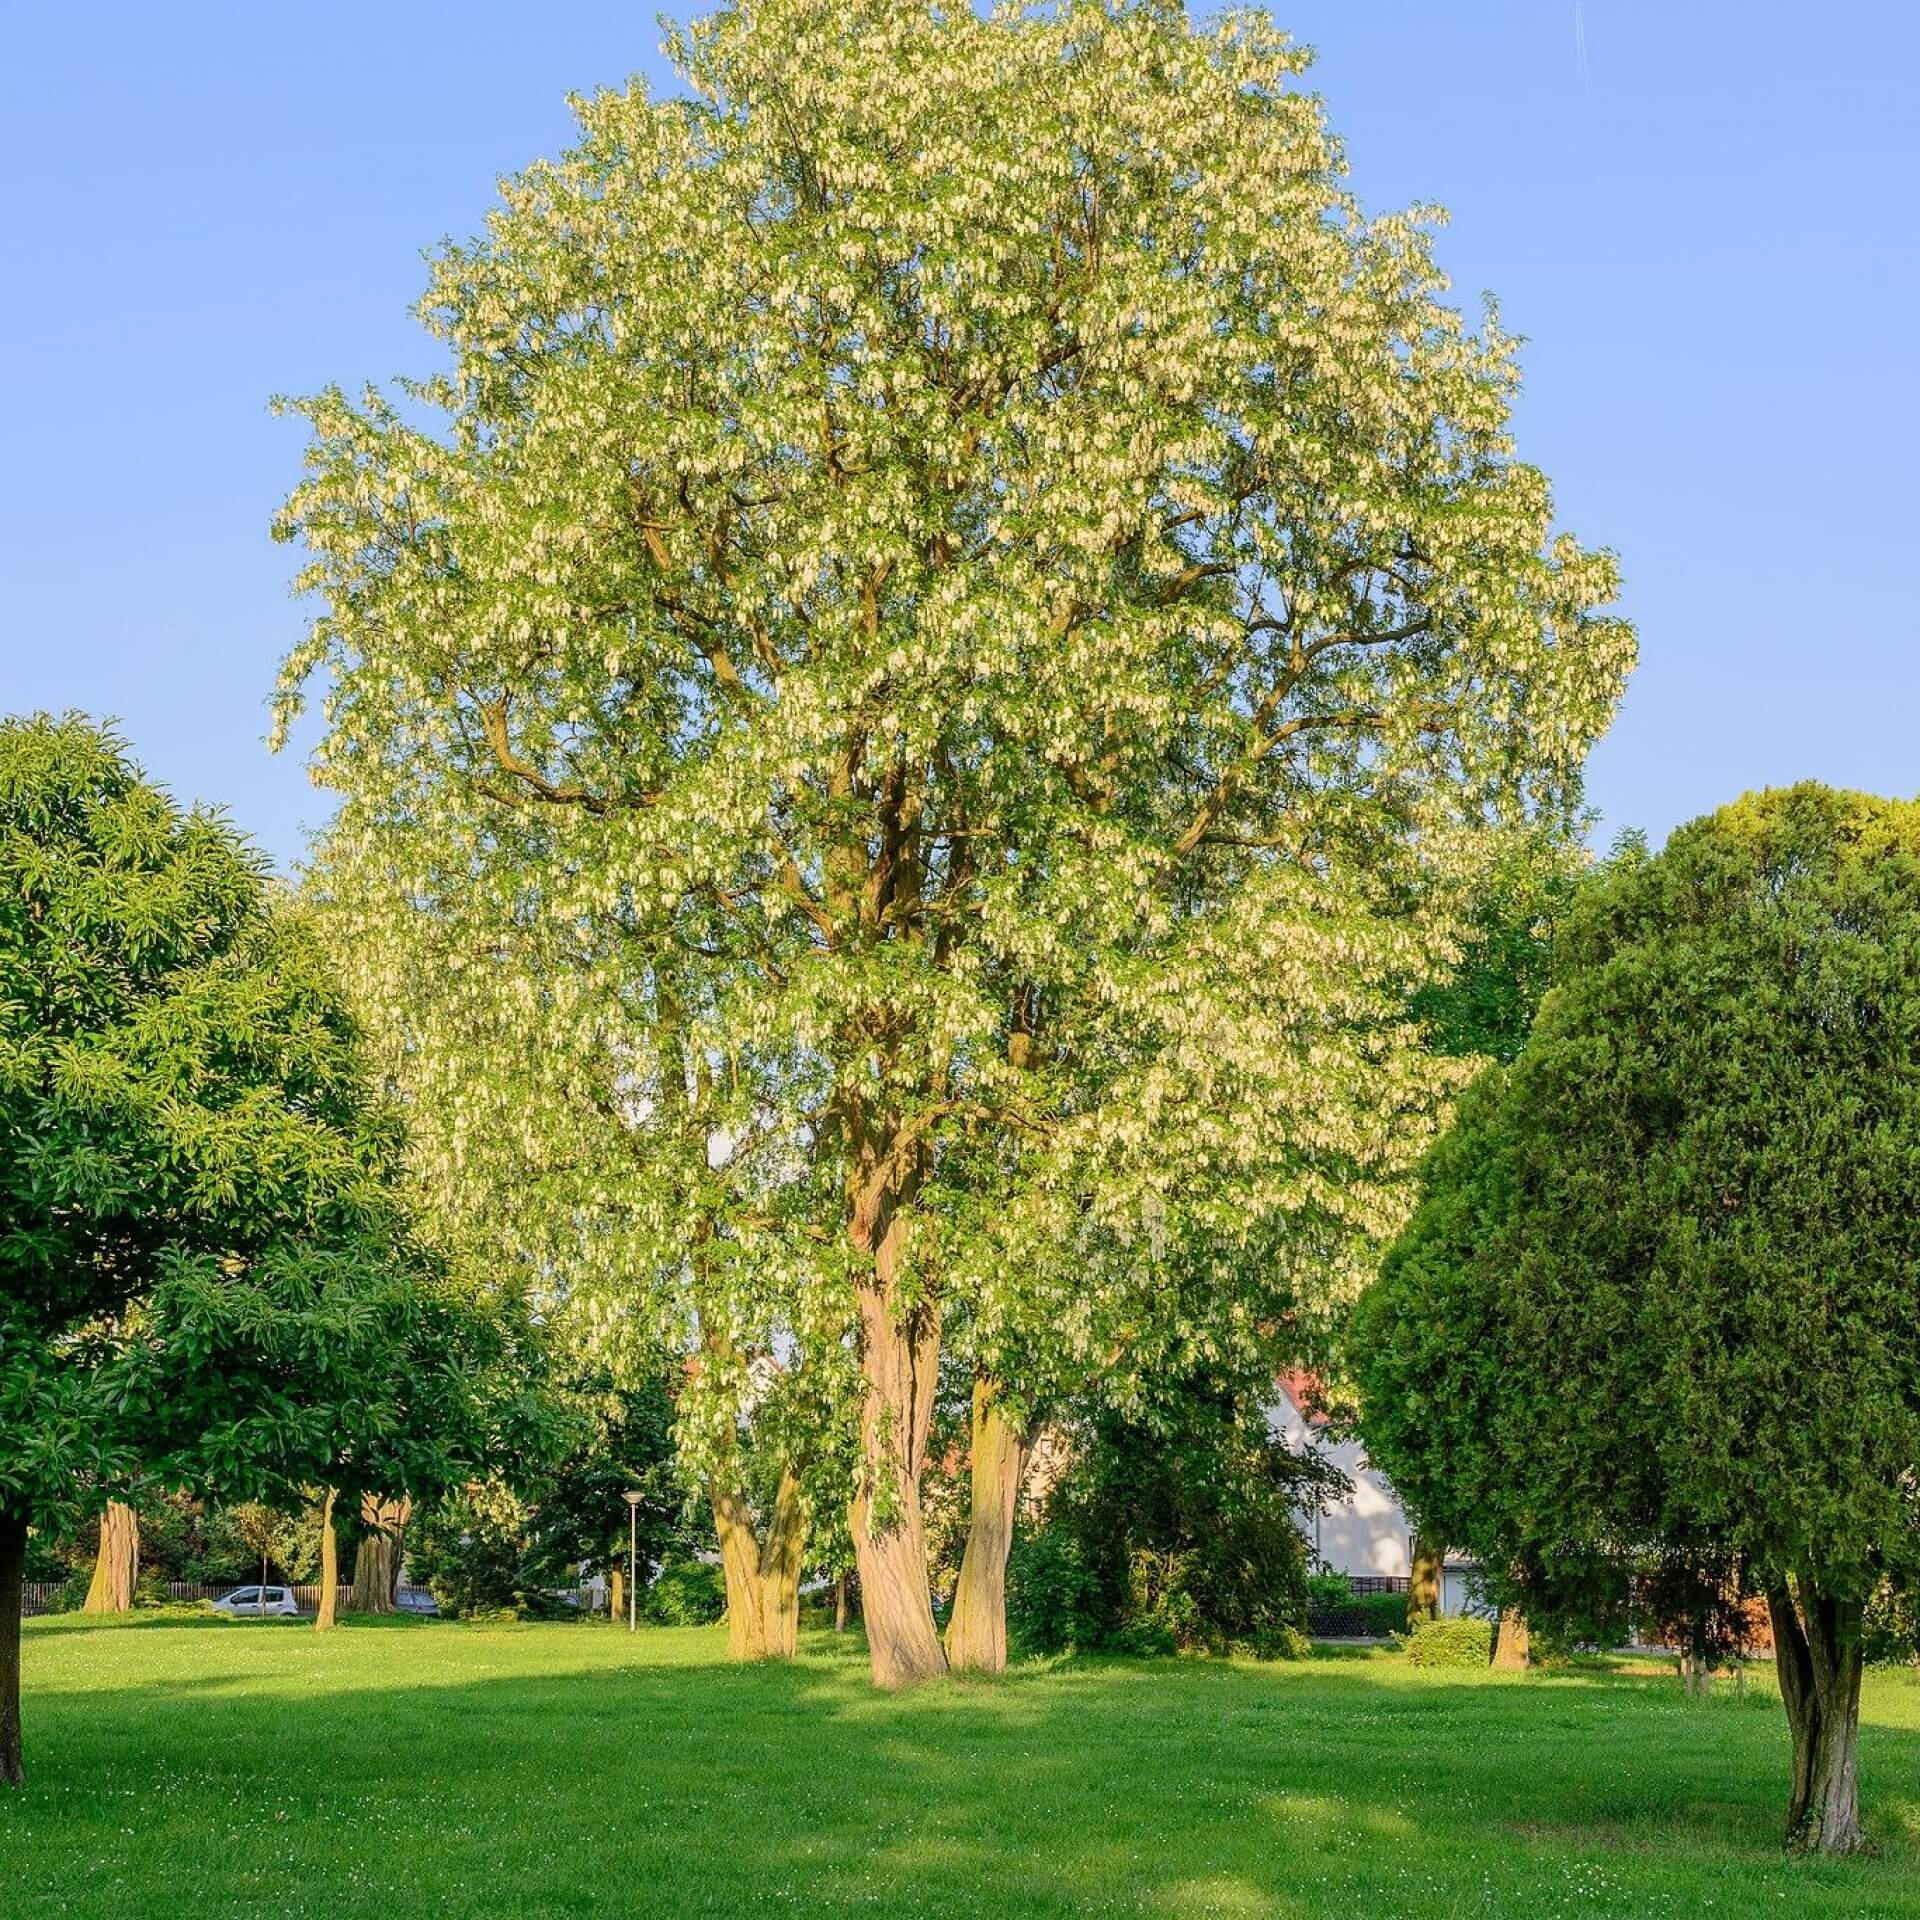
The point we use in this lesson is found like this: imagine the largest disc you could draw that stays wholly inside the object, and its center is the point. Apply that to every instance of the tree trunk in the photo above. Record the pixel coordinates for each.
(13, 1568)
(762, 1572)
(116, 1566)
(1816, 1650)
(840, 1602)
(1424, 1581)
(617, 1595)
(376, 1565)
(329, 1566)
(1513, 1651)
(900, 1363)
(977, 1632)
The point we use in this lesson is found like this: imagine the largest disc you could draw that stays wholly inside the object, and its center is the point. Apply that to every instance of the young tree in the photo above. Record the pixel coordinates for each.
(180, 1104)
(1656, 1308)
(954, 520)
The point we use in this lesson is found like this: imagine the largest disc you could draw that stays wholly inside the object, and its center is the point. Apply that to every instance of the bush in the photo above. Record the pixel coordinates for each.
(468, 1548)
(1464, 1640)
(1163, 1541)
(1890, 1634)
(1050, 1598)
(1327, 1591)
(686, 1593)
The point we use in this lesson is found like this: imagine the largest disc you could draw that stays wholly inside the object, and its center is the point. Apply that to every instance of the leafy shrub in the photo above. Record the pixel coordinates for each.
(687, 1593)
(1175, 1540)
(1463, 1640)
(1326, 1591)
(1050, 1597)
(1890, 1634)
(468, 1548)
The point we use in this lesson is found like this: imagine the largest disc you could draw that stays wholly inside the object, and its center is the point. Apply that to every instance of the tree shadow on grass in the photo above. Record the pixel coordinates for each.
(644, 1775)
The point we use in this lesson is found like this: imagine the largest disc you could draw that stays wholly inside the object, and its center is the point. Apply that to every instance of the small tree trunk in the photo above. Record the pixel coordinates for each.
(116, 1566)
(1816, 1650)
(840, 1602)
(13, 1569)
(1513, 1650)
(977, 1632)
(1423, 1581)
(329, 1566)
(617, 1595)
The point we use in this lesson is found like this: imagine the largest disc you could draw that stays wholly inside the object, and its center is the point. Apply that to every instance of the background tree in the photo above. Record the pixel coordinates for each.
(1657, 1304)
(181, 1102)
(950, 516)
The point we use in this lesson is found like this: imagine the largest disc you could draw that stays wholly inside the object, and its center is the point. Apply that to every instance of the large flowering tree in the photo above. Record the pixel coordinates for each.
(915, 703)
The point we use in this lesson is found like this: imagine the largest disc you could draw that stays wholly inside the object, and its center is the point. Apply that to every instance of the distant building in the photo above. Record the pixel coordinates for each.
(1367, 1536)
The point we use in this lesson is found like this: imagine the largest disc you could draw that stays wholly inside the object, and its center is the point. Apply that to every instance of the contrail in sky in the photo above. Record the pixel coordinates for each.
(1580, 39)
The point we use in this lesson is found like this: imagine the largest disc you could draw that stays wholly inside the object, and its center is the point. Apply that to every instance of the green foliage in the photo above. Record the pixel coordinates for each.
(1460, 1640)
(1170, 1539)
(469, 1548)
(686, 1593)
(1890, 1635)
(253, 1532)
(1329, 1590)
(203, 1267)
(1658, 1298)
(621, 1442)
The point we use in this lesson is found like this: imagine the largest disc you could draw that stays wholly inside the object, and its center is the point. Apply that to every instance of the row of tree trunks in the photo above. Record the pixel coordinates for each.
(762, 1569)
(376, 1566)
(329, 1566)
(1817, 1652)
(13, 1569)
(977, 1631)
(900, 1364)
(116, 1566)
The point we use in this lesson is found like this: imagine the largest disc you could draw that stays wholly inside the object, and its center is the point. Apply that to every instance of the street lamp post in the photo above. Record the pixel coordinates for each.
(633, 1543)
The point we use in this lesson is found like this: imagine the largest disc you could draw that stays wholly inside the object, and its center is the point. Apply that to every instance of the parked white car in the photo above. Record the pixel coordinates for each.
(252, 1603)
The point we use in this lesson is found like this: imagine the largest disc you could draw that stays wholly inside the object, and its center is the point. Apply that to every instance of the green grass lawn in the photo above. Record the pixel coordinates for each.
(192, 1771)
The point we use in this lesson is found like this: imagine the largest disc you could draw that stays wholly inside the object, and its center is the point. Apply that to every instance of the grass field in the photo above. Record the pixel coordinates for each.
(194, 1771)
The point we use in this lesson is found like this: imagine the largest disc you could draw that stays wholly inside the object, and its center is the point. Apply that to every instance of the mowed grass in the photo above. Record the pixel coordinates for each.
(192, 1771)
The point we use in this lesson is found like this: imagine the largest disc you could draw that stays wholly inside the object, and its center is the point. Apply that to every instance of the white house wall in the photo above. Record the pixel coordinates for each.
(1368, 1532)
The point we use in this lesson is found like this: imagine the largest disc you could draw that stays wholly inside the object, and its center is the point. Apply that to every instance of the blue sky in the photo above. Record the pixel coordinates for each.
(1700, 213)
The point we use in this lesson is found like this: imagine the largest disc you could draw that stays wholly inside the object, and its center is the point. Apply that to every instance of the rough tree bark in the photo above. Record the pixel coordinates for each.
(116, 1566)
(1423, 1581)
(1513, 1650)
(762, 1571)
(977, 1632)
(329, 1566)
(13, 1569)
(900, 1363)
(1816, 1650)
(376, 1565)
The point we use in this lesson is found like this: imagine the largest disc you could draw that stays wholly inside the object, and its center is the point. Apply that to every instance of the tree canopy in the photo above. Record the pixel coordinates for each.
(193, 1170)
(1657, 1304)
(915, 702)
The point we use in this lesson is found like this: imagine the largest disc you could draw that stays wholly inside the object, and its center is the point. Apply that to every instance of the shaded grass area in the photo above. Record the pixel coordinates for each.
(215, 1769)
